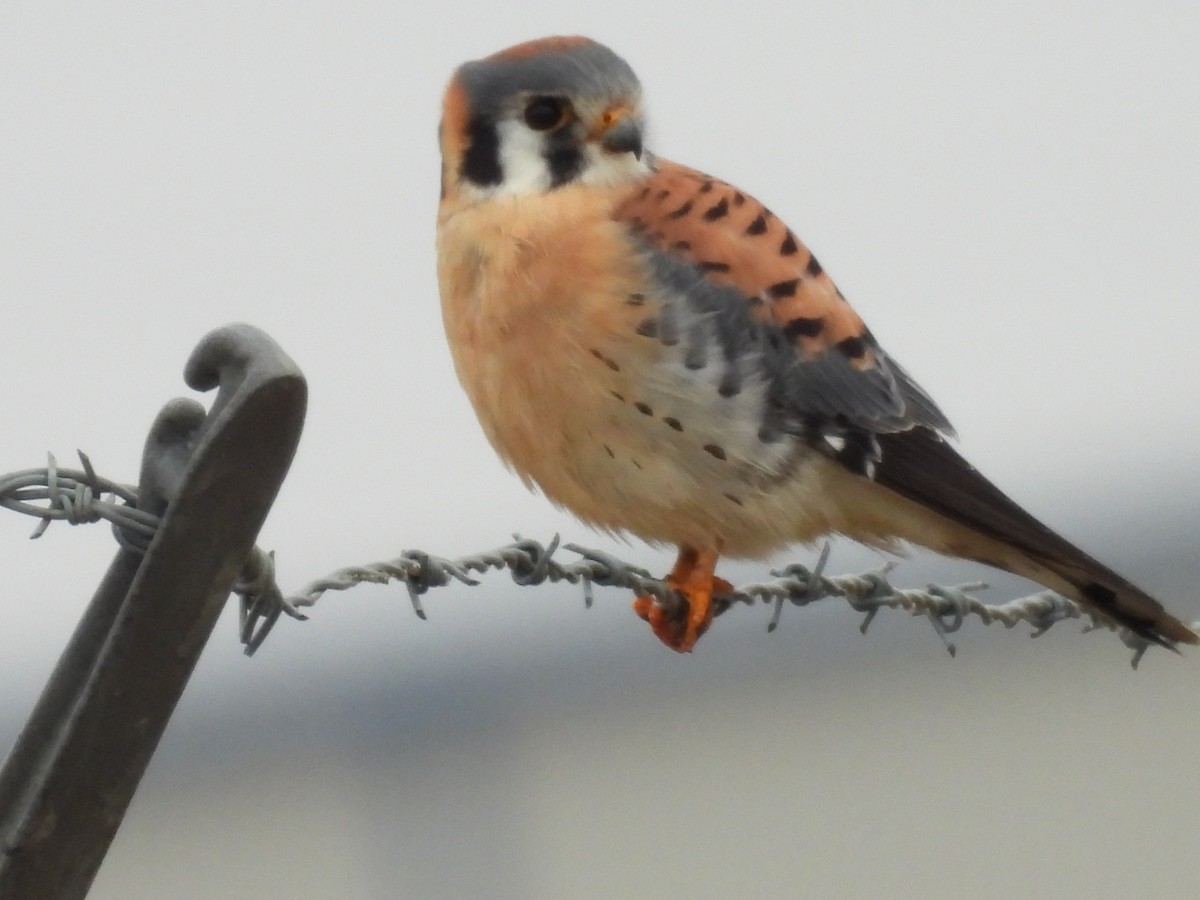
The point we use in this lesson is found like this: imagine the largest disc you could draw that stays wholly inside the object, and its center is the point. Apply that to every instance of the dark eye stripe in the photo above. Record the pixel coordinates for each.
(481, 159)
(563, 158)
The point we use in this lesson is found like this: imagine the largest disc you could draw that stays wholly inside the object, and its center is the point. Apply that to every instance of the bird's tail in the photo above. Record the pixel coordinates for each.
(983, 524)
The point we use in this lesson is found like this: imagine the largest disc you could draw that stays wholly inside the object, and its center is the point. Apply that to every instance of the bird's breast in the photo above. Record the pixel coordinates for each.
(550, 314)
(540, 305)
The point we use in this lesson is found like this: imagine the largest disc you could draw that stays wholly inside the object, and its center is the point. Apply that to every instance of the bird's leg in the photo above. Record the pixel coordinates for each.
(693, 578)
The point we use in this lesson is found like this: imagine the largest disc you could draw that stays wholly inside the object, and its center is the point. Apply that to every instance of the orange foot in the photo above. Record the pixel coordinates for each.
(693, 578)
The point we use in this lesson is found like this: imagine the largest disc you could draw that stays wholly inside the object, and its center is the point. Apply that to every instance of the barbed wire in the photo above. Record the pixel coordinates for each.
(77, 496)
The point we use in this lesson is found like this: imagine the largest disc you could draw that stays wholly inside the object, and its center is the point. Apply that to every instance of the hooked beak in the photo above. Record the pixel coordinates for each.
(620, 132)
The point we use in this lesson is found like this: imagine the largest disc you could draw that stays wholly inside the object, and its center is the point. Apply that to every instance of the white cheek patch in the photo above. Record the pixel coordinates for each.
(525, 169)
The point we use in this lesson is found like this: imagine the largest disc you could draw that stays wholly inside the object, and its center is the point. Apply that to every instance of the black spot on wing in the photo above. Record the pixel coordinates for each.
(803, 327)
(719, 210)
(782, 289)
(852, 347)
(681, 211)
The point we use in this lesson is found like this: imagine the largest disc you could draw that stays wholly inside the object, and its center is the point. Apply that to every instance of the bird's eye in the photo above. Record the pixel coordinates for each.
(544, 113)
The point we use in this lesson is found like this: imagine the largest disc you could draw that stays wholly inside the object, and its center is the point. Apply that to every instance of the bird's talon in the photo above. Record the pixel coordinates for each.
(692, 579)
(642, 606)
(670, 626)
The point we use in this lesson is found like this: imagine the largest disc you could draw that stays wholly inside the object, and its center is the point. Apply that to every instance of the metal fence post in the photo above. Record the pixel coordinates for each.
(212, 477)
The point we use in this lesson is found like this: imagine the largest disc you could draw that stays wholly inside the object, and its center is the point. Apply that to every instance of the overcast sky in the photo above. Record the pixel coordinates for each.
(1008, 192)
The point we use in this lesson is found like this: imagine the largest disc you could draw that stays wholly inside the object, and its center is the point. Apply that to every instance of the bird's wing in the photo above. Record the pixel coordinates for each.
(725, 256)
(725, 261)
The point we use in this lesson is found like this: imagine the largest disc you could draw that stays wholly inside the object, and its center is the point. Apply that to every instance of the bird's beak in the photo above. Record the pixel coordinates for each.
(619, 132)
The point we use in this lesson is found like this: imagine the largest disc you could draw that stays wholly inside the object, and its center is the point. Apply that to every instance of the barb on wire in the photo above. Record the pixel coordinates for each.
(75, 497)
(54, 494)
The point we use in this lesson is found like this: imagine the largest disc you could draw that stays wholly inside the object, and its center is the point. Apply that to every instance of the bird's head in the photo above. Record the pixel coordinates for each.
(538, 116)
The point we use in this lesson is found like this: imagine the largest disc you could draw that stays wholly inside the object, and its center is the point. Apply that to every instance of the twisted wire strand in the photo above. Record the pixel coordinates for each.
(77, 496)
(529, 562)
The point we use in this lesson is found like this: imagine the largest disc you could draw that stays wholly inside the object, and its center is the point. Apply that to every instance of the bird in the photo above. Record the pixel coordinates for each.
(658, 353)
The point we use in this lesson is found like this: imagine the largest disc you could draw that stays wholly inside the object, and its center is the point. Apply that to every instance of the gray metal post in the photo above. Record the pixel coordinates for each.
(68, 781)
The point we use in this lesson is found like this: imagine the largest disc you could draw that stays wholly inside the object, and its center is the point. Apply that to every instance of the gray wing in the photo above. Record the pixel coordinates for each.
(834, 405)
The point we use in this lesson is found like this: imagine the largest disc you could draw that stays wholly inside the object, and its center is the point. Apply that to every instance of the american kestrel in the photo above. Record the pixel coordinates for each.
(661, 355)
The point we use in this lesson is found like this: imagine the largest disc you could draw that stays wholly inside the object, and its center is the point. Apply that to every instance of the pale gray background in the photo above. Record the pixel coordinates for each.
(1007, 191)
